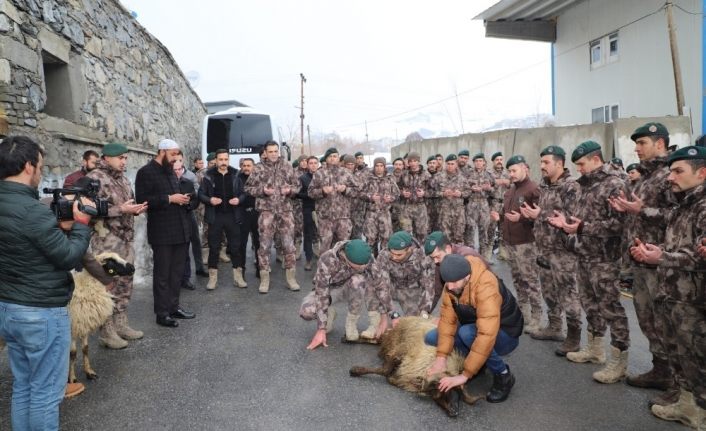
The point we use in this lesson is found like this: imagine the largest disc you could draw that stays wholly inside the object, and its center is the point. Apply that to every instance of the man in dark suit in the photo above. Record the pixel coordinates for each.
(168, 230)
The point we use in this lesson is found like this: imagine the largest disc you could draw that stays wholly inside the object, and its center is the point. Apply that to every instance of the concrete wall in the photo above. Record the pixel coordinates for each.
(613, 137)
(641, 80)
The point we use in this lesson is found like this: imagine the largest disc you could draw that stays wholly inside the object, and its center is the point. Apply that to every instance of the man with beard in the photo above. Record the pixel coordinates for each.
(168, 231)
(115, 233)
(463, 157)
(502, 183)
(380, 192)
(478, 208)
(222, 192)
(414, 185)
(451, 187)
(397, 170)
(308, 208)
(556, 264)
(432, 202)
(88, 163)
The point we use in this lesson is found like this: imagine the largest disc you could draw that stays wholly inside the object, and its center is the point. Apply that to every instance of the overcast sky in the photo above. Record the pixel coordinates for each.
(386, 62)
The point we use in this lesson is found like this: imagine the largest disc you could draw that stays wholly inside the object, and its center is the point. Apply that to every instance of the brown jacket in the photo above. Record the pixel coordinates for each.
(519, 232)
(482, 292)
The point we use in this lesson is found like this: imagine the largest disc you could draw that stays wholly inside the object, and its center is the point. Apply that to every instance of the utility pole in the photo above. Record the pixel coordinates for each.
(301, 115)
(675, 59)
(366, 131)
(308, 133)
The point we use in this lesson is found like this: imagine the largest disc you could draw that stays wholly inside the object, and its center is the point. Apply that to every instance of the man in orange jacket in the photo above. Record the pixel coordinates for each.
(479, 318)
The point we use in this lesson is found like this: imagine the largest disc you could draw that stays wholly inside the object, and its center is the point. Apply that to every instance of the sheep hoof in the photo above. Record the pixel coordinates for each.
(91, 376)
(360, 340)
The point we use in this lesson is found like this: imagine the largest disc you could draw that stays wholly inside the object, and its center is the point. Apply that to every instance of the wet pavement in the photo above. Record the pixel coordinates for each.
(242, 364)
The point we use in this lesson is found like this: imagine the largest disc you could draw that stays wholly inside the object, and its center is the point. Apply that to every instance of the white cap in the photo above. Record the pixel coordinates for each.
(168, 144)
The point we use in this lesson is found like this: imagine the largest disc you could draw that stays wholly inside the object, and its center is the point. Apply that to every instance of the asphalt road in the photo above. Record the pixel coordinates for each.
(242, 364)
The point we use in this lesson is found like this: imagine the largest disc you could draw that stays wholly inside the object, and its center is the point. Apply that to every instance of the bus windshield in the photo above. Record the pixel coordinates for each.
(240, 133)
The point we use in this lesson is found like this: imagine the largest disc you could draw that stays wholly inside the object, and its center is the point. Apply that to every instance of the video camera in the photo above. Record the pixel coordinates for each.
(86, 187)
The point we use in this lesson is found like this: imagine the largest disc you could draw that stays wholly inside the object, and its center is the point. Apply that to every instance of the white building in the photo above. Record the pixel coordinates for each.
(611, 58)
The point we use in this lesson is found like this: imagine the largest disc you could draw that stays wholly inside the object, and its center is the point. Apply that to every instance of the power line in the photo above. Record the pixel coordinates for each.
(494, 81)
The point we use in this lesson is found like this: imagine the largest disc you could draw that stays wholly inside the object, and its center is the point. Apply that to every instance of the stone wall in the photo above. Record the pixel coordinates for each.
(76, 74)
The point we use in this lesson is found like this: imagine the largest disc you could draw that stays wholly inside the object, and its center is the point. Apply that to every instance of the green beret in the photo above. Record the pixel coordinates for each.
(496, 155)
(434, 240)
(479, 156)
(633, 166)
(691, 152)
(295, 164)
(400, 240)
(414, 156)
(451, 157)
(330, 151)
(358, 154)
(454, 267)
(617, 161)
(430, 158)
(322, 159)
(583, 149)
(210, 156)
(650, 129)
(515, 160)
(358, 251)
(114, 149)
(464, 152)
(553, 150)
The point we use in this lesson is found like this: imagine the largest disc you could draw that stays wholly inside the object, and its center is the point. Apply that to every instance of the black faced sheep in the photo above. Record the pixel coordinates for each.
(406, 359)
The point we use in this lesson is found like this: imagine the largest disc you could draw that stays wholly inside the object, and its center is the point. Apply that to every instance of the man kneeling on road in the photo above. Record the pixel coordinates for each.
(479, 318)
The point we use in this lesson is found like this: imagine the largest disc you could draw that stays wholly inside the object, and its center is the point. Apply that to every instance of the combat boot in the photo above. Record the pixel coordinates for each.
(684, 410)
(659, 377)
(552, 331)
(212, 279)
(223, 256)
(331, 319)
(670, 396)
(572, 343)
(535, 321)
(591, 352)
(615, 369)
(123, 329)
(502, 383)
(238, 279)
(352, 327)
(290, 275)
(264, 281)
(109, 338)
(374, 322)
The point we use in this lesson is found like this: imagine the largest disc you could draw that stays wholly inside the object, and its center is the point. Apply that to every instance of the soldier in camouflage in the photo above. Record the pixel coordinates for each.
(682, 295)
(342, 271)
(414, 186)
(379, 193)
(332, 187)
(595, 231)
(358, 206)
(478, 208)
(647, 209)
(272, 183)
(556, 265)
(518, 239)
(432, 202)
(397, 171)
(115, 233)
(451, 187)
(502, 183)
(463, 167)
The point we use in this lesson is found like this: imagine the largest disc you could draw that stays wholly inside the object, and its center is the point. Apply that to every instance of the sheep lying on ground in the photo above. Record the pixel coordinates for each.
(90, 307)
(406, 359)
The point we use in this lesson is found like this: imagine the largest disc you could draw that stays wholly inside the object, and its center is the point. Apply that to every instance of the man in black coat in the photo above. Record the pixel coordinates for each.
(308, 208)
(168, 230)
(249, 225)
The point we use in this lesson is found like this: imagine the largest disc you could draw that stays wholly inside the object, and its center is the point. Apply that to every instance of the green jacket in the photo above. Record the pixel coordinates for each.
(35, 254)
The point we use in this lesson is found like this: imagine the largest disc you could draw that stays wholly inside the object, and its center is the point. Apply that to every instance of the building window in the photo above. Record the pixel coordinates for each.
(57, 87)
(605, 114)
(603, 50)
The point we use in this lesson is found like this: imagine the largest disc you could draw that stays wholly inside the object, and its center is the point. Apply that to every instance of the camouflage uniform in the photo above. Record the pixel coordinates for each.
(201, 211)
(452, 217)
(275, 210)
(358, 206)
(559, 280)
(413, 217)
(649, 225)
(334, 278)
(396, 208)
(378, 224)
(115, 233)
(497, 194)
(682, 295)
(433, 203)
(478, 211)
(597, 245)
(332, 211)
(411, 283)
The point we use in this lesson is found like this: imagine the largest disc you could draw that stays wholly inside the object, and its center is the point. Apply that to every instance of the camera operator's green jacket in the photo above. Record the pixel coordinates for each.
(36, 254)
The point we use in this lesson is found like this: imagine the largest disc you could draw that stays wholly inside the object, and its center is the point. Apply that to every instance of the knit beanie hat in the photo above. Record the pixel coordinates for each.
(454, 267)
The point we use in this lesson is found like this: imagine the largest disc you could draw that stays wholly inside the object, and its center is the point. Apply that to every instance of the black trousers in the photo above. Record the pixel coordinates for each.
(249, 227)
(309, 232)
(168, 270)
(224, 222)
(195, 249)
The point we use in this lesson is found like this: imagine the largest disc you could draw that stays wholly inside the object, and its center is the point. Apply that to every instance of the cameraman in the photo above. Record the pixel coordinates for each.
(115, 232)
(35, 285)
